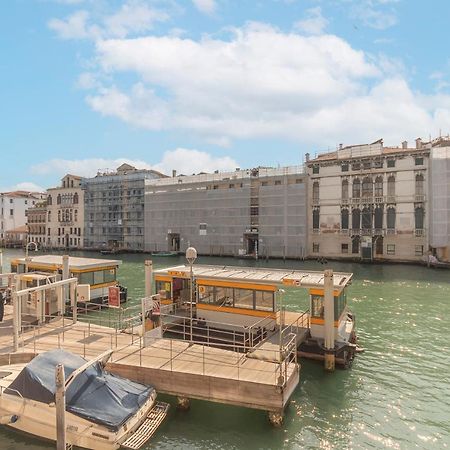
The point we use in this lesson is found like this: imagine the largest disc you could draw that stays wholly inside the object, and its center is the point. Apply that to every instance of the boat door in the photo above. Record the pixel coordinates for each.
(181, 291)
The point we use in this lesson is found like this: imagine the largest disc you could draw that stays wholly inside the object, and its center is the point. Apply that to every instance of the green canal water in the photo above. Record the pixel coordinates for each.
(396, 395)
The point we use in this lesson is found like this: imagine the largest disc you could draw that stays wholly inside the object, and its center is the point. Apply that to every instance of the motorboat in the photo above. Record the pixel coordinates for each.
(103, 411)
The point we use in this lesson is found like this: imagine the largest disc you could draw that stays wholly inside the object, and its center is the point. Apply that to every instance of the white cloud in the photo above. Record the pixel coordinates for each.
(183, 160)
(313, 23)
(133, 18)
(205, 6)
(24, 186)
(376, 14)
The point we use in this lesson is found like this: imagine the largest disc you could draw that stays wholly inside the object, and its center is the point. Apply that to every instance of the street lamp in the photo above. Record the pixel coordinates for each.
(26, 253)
(191, 256)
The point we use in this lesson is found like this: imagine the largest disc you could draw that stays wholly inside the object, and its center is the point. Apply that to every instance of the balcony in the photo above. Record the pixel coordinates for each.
(418, 232)
(355, 232)
(315, 202)
(344, 232)
(390, 231)
(356, 200)
(345, 201)
(379, 199)
(316, 231)
(418, 198)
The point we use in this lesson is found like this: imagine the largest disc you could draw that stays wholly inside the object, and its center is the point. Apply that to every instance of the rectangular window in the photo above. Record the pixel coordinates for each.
(265, 183)
(315, 169)
(390, 249)
(98, 277)
(316, 247)
(391, 163)
(11, 212)
(277, 182)
(344, 248)
(378, 164)
(86, 277)
(344, 167)
(264, 301)
(367, 165)
(356, 166)
(317, 306)
(419, 250)
(243, 298)
(418, 161)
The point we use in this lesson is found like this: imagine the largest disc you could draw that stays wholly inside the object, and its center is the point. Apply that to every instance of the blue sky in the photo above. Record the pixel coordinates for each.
(213, 84)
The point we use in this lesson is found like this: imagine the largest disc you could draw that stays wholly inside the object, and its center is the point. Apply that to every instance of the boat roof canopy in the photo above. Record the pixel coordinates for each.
(259, 275)
(75, 262)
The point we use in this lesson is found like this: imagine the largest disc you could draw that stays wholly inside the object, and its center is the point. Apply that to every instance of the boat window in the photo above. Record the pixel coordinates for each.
(339, 304)
(317, 306)
(98, 277)
(224, 296)
(163, 288)
(206, 294)
(4, 374)
(109, 275)
(264, 301)
(86, 278)
(243, 298)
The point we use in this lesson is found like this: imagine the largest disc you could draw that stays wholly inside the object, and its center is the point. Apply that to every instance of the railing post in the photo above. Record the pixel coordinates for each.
(84, 343)
(34, 340)
(140, 351)
(171, 357)
(203, 359)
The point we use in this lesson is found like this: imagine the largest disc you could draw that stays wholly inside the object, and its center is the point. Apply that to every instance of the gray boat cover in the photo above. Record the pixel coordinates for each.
(94, 394)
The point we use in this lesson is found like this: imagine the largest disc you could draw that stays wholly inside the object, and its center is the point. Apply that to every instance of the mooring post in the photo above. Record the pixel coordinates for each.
(65, 276)
(148, 277)
(60, 402)
(73, 301)
(328, 285)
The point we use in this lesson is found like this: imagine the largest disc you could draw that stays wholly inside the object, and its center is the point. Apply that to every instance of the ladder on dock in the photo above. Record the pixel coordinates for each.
(148, 427)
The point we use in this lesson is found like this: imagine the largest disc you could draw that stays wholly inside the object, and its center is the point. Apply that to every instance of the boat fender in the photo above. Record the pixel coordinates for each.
(5, 420)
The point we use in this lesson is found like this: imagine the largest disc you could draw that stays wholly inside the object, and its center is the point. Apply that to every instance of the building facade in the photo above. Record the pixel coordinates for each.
(440, 198)
(37, 223)
(13, 209)
(369, 202)
(256, 212)
(114, 208)
(65, 214)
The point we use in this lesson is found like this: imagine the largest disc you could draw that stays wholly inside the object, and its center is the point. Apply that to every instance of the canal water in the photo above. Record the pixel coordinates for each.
(396, 395)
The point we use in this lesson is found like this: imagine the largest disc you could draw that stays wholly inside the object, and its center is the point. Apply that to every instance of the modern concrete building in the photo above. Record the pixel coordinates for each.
(65, 214)
(369, 202)
(247, 212)
(114, 208)
(37, 223)
(440, 198)
(13, 209)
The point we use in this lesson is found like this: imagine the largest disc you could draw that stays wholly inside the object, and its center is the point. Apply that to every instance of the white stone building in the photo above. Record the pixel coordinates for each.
(440, 198)
(13, 209)
(369, 202)
(65, 214)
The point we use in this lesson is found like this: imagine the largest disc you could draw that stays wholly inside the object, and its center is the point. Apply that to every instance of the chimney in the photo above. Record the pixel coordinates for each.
(405, 144)
(341, 146)
(238, 169)
(418, 143)
(306, 157)
(174, 173)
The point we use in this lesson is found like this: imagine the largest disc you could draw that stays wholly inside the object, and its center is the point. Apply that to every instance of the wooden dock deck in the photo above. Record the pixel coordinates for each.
(172, 366)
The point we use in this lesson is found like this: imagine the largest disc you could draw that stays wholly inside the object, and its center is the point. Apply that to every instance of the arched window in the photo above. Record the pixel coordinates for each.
(58, 199)
(378, 217)
(378, 186)
(356, 219)
(356, 191)
(344, 189)
(419, 215)
(390, 218)
(344, 219)
(315, 192)
(75, 198)
(49, 200)
(367, 187)
(391, 186)
(367, 218)
(419, 184)
(316, 219)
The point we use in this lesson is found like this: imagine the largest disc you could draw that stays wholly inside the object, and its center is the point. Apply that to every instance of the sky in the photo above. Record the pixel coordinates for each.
(203, 85)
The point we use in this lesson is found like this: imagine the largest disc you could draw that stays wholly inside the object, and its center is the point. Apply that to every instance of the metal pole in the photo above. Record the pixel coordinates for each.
(60, 398)
(73, 301)
(1, 261)
(280, 298)
(148, 277)
(192, 299)
(328, 300)
(16, 325)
